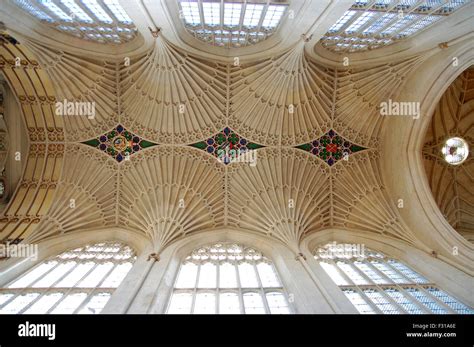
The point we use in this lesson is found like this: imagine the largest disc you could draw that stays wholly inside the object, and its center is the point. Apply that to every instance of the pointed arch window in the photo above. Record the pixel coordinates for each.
(372, 24)
(375, 283)
(103, 21)
(227, 278)
(231, 23)
(77, 281)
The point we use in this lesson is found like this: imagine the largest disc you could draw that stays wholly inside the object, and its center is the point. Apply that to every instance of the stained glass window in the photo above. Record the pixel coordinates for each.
(227, 146)
(375, 283)
(235, 24)
(119, 143)
(373, 24)
(81, 280)
(331, 147)
(103, 21)
(227, 278)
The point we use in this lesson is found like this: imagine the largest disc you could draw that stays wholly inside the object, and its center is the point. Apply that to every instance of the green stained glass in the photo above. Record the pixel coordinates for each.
(93, 142)
(220, 138)
(251, 145)
(355, 148)
(145, 144)
(200, 145)
(226, 145)
(305, 147)
(119, 143)
(331, 147)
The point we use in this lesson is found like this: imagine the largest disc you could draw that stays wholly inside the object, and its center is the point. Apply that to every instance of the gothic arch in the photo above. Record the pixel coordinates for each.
(402, 162)
(35, 94)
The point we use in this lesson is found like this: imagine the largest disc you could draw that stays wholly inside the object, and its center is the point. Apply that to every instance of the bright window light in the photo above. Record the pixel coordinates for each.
(455, 150)
(369, 279)
(230, 274)
(401, 23)
(76, 10)
(232, 14)
(191, 12)
(97, 10)
(385, 21)
(205, 20)
(253, 13)
(67, 28)
(343, 20)
(380, 23)
(273, 16)
(50, 5)
(420, 25)
(360, 304)
(382, 2)
(452, 6)
(28, 6)
(77, 281)
(277, 303)
(212, 13)
(118, 11)
(359, 22)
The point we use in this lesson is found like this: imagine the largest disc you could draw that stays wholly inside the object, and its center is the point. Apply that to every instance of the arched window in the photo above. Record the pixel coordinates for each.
(232, 23)
(373, 24)
(102, 21)
(375, 283)
(77, 281)
(227, 278)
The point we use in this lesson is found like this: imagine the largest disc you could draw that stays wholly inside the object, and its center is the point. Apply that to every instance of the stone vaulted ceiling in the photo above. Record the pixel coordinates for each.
(172, 99)
(452, 185)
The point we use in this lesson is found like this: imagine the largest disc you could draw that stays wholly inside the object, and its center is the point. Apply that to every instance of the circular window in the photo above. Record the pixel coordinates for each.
(455, 150)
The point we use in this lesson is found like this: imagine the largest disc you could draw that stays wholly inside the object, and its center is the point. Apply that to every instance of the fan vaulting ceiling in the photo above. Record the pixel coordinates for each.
(452, 184)
(155, 158)
(143, 193)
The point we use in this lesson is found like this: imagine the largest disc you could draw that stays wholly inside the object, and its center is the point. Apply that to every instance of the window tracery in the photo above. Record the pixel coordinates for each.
(103, 21)
(81, 280)
(378, 284)
(231, 24)
(372, 24)
(227, 278)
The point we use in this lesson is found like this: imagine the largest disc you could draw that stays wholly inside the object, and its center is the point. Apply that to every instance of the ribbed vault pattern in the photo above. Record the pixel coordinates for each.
(170, 192)
(84, 199)
(44, 160)
(78, 79)
(175, 99)
(188, 93)
(285, 195)
(452, 185)
(358, 95)
(291, 95)
(359, 199)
